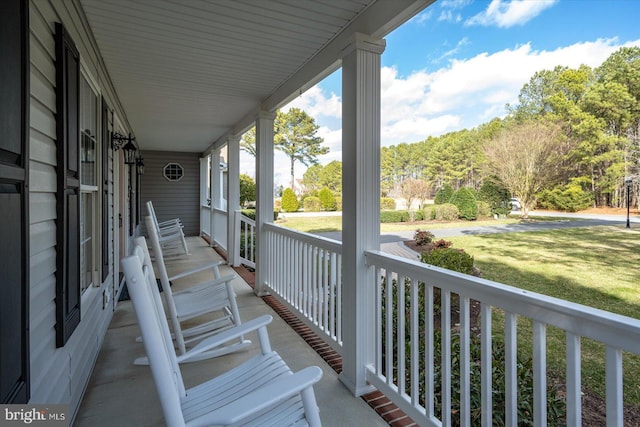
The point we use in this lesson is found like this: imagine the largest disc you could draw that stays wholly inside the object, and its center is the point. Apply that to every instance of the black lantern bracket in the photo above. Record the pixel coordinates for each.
(129, 149)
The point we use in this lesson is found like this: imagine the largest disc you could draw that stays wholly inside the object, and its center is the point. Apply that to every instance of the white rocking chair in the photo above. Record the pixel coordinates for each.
(260, 392)
(206, 298)
(170, 234)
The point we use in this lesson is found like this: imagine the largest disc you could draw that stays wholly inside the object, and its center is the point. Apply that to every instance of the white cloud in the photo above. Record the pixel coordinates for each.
(505, 14)
(464, 94)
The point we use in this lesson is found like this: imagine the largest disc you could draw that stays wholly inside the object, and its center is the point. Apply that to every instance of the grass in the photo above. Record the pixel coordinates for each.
(593, 266)
(322, 224)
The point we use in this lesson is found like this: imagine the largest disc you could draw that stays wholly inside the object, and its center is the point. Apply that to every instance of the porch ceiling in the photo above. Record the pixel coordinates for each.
(189, 73)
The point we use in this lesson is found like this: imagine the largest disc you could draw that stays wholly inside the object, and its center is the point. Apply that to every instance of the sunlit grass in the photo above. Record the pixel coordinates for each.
(592, 266)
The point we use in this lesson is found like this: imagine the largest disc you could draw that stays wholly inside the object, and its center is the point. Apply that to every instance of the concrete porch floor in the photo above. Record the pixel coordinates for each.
(122, 394)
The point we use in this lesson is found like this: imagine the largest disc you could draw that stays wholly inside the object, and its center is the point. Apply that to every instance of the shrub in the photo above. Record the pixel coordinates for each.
(339, 203)
(415, 215)
(289, 201)
(428, 212)
(443, 195)
(442, 244)
(311, 204)
(423, 237)
(449, 258)
(555, 403)
(394, 216)
(387, 203)
(327, 199)
(247, 189)
(570, 197)
(251, 214)
(484, 210)
(445, 212)
(496, 194)
(466, 203)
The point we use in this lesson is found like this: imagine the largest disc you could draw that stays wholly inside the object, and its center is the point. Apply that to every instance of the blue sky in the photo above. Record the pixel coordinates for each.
(459, 62)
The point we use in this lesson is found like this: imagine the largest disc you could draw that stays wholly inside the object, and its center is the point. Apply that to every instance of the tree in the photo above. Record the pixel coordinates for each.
(526, 158)
(247, 189)
(248, 141)
(331, 176)
(295, 136)
(414, 189)
(327, 199)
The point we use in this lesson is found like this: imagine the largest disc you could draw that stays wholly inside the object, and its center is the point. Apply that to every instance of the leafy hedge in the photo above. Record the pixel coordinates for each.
(327, 199)
(449, 258)
(443, 195)
(289, 201)
(445, 212)
(312, 204)
(465, 200)
(570, 197)
(387, 203)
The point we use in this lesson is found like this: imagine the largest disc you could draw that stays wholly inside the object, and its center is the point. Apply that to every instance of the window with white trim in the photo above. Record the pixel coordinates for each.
(89, 185)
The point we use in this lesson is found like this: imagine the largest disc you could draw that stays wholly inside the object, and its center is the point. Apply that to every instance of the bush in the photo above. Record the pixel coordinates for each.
(339, 203)
(555, 403)
(311, 204)
(445, 212)
(442, 244)
(327, 199)
(570, 197)
(449, 258)
(428, 212)
(496, 194)
(423, 237)
(289, 201)
(247, 189)
(465, 201)
(443, 195)
(251, 214)
(387, 203)
(415, 215)
(484, 210)
(394, 216)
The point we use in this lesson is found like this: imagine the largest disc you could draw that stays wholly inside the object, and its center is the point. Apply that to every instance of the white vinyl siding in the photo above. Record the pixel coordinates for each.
(59, 375)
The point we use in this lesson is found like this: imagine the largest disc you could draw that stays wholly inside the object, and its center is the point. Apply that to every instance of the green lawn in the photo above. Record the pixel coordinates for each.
(594, 266)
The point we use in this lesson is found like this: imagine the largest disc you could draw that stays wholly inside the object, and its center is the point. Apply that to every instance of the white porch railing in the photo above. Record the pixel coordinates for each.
(305, 274)
(219, 235)
(396, 371)
(245, 230)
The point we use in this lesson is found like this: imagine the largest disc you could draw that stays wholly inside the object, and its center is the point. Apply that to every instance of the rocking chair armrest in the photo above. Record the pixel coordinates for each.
(212, 265)
(206, 286)
(271, 394)
(228, 335)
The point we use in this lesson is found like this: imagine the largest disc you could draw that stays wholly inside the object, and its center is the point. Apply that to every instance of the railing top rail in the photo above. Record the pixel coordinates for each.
(612, 329)
(246, 218)
(312, 239)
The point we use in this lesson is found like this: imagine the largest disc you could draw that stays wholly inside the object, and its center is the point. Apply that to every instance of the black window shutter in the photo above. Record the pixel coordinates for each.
(68, 194)
(14, 202)
(105, 189)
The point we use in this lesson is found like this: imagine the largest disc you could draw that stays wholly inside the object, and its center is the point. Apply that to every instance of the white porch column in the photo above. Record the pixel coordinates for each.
(361, 204)
(214, 189)
(233, 198)
(264, 195)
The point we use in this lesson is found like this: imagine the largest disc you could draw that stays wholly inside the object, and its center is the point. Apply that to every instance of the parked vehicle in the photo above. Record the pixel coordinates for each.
(515, 204)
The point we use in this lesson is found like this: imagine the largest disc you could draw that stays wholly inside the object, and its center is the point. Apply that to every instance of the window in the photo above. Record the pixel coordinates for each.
(89, 195)
(173, 172)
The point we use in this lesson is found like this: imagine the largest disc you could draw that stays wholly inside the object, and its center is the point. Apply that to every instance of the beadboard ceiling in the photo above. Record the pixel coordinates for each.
(189, 73)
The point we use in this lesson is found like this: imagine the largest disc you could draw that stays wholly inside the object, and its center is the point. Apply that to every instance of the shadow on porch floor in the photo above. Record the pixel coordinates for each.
(122, 394)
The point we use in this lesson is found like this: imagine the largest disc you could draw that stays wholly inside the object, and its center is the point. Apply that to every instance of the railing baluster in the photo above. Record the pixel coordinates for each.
(401, 334)
(539, 374)
(465, 363)
(445, 369)
(332, 296)
(511, 369)
(415, 345)
(574, 387)
(325, 293)
(486, 368)
(378, 315)
(339, 299)
(614, 387)
(429, 352)
(389, 328)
